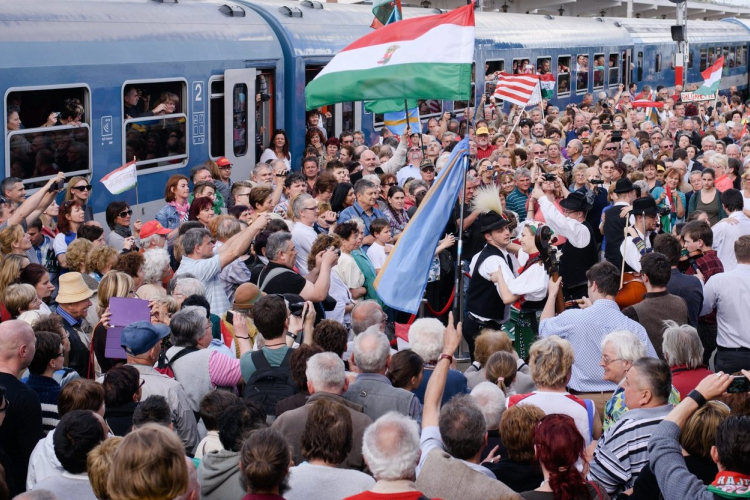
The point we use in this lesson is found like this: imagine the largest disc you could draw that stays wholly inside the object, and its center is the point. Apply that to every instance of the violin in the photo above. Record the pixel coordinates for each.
(631, 290)
(687, 261)
(548, 256)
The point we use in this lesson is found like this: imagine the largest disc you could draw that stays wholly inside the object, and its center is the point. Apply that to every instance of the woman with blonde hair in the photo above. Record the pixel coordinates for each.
(13, 239)
(113, 284)
(20, 298)
(10, 271)
(79, 189)
(100, 261)
(501, 369)
(485, 345)
(551, 362)
(98, 464)
(149, 464)
(338, 290)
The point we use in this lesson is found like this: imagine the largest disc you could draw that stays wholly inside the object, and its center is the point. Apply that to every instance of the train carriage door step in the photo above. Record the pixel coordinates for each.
(239, 120)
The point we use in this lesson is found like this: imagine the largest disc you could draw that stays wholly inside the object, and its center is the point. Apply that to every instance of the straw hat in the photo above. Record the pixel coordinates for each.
(246, 295)
(73, 289)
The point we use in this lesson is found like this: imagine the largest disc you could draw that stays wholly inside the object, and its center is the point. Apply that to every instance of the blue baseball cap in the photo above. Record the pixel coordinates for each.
(141, 336)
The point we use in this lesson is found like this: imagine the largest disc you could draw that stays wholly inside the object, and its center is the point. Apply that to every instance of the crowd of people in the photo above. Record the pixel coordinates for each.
(268, 367)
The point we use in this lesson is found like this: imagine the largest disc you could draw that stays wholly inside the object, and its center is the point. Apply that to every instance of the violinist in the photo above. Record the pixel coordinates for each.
(697, 238)
(581, 250)
(529, 288)
(614, 221)
(637, 242)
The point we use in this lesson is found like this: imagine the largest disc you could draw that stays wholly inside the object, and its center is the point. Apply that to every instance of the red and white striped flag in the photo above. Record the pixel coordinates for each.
(518, 89)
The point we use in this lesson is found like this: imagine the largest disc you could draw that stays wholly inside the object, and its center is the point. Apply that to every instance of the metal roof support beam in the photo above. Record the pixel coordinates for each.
(544, 4)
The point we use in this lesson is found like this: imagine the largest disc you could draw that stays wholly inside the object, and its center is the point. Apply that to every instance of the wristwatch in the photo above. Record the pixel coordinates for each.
(697, 397)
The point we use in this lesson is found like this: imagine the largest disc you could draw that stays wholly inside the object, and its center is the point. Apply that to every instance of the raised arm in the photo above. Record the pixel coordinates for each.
(239, 243)
(436, 386)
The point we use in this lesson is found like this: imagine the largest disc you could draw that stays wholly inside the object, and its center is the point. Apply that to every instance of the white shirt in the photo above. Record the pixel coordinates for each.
(531, 284)
(406, 173)
(270, 155)
(208, 270)
(303, 237)
(728, 292)
(489, 266)
(575, 232)
(631, 253)
(377, 256)
(559, 402)
(725, 234)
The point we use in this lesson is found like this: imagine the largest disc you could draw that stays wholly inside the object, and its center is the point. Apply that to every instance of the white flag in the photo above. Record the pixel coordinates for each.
(121, 179)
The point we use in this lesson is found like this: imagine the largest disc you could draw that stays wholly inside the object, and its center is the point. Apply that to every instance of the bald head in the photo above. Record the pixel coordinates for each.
(366, 314)
(17, 345)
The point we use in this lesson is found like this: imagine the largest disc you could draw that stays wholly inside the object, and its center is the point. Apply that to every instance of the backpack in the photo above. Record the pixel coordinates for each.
(164, 365)
(269, 384)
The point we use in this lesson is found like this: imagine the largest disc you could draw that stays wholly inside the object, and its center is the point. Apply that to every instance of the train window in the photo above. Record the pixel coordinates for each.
(431, 107)
(491, 68)
(239, 119)
(582, 73)
(657, 63)
(726, 57)
(734, 57)
(598, 71)
(543, 65)
(563, 76)
(614, 70)
(155, 116)
(744, 56)
(639, 66)
(48, 130)
(690, 59)
(216, 117)
(522, 67)
(704, 61)
(711, 57)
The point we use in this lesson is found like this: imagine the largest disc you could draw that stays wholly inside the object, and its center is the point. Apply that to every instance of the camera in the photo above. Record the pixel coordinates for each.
(665, 211)
(296, 309)
(265, 97)
(549, 177)
(606, 126)
(452, 115)
(616, 135)
(596, 181)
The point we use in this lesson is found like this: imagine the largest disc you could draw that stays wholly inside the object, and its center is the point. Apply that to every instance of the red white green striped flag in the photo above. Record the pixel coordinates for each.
(711, 78)
(547, 84)
(422, 58)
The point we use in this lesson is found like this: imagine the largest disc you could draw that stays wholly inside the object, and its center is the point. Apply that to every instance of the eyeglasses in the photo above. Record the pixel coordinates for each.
(126, 213)
(87, 187)
(611, 149)
(537, 152)
(61, 354)
(143, 382)
(607, 360)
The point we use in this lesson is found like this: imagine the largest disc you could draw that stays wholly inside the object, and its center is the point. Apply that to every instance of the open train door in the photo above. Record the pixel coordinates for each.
(239, 120)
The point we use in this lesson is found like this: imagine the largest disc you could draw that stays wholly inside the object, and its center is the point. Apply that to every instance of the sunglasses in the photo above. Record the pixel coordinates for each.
(87, 187)
(391, 184)
(126, 213)
(428, 169)
(611, 149)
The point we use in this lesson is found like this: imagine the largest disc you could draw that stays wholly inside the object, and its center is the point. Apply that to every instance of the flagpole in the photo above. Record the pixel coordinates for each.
(458, 282)
(136, 186)
(518, 120)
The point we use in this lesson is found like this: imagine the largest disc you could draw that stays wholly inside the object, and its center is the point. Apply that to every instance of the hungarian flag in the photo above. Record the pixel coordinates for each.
(385, 12)
(643, 103)
(711, 78)
(422, 58)
(121, 179)
(547, 84)
(518, 89)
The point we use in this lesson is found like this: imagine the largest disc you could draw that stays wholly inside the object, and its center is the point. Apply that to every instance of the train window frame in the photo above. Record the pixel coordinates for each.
(593, 73)
(657, 63)
(491, 84)
(725, 53)
(560, 74)
(519, 60)
(540, 60)
(184, 113)
(588, 73)
(85, 124)
(744, 55)
(211, 96)
(639, 66)
(690, 59)
(616, 68)
(703, 64)
(737, 54)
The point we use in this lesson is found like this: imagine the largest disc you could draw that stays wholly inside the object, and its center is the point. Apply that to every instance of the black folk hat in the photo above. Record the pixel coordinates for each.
(576, 202)
(645, 206)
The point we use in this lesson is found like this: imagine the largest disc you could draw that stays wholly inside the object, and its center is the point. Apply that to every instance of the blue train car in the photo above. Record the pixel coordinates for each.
(206, 56)
(654, 51)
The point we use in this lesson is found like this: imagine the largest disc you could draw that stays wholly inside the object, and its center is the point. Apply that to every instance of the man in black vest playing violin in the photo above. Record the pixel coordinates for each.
(485, 308)
(614, 221)
(580, 251)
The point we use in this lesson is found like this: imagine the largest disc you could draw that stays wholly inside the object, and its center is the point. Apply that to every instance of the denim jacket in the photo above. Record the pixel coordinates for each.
(168, 217)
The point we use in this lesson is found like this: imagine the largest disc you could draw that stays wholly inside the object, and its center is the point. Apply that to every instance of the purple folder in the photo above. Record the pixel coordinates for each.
(124, 312)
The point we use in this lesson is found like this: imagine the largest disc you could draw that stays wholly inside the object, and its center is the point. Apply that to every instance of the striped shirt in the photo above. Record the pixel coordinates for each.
(48, 391)
(622, 451)
(516, 202)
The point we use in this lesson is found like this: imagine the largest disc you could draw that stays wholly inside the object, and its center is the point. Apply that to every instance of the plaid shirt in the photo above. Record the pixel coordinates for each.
(709, 264)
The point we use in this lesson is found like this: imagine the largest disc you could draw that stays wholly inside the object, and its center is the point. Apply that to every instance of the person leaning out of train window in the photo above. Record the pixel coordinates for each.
(202, 174)
(71, 113)
(70, 219)
(119, 216)
(79, 188)
(166, 104)
(176, 210)
(221, 173)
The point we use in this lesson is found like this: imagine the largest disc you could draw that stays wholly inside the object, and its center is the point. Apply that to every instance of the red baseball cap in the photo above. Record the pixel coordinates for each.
(153, 227)
(223, 162)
